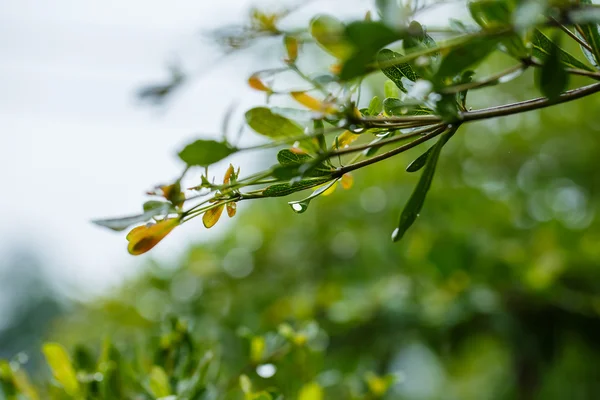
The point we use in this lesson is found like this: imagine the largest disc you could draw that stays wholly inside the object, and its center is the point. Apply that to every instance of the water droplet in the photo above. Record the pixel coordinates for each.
(266, 370)
(298, 207)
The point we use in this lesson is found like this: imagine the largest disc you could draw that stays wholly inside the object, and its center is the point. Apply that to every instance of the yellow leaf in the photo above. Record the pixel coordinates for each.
(145, 237)
(231, 209)
(311, 391)
(291, 46)
(61, 367)
(211, 217)
(173, 193)
(313, 103)
(256, 83)
(330, 189)
(228, 174)
(345, 139)
(347, 181)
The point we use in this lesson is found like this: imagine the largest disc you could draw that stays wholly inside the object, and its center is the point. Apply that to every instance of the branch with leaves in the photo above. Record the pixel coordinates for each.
(425, 97)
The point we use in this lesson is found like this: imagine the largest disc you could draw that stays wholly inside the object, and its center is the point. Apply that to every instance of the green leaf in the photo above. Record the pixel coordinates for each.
(120, 224)
(328, 32)
(288, 157)
(416, 200)
(467, 55)
(543, 47)
(395, 72)
(591, 34)
(395, 106)
(374, 106)
(300, 206)
(284, 189)
(366, 37)
(319, 131)
(390, 89)
(418, 40)
(205, 152)
(272, 125)
(461, 97)
(299, 164)
(496, 14)
(419, 162)
(552, 78)
(159, 382)
(62, 369)
(153, 205)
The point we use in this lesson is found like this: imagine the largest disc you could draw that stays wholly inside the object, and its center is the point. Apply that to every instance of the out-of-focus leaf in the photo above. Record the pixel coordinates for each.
(159, 382)
(291, 48)
(590, 32)
(296, 164)
(272, 125)
(461, 96)
(390, 89)
(311, 391)
(374, 106)
(417, 40)
(319, 131)
(329, 34)
(153, 205)
(205, 152)
(61, 367)
(419, 162)
(120, 224)
(467, 55)
(211, 216)
(528, 13)
(393, 71)
(345, 139)
(367, 37)
(379, 385)
(543, 47)
(495, 14)
(313, 103)
(145, 237)
(347, 181)
(395, 106)
(245, 384)
(257, 84)
(284, 189)
(257, 348)
(416, 200)
(552, 78)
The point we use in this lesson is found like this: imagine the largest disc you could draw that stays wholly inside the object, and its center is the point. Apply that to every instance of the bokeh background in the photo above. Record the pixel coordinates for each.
(493, 294)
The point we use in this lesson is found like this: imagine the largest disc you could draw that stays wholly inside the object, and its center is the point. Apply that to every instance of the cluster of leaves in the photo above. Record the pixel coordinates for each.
(425, 97)
(179, 366)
